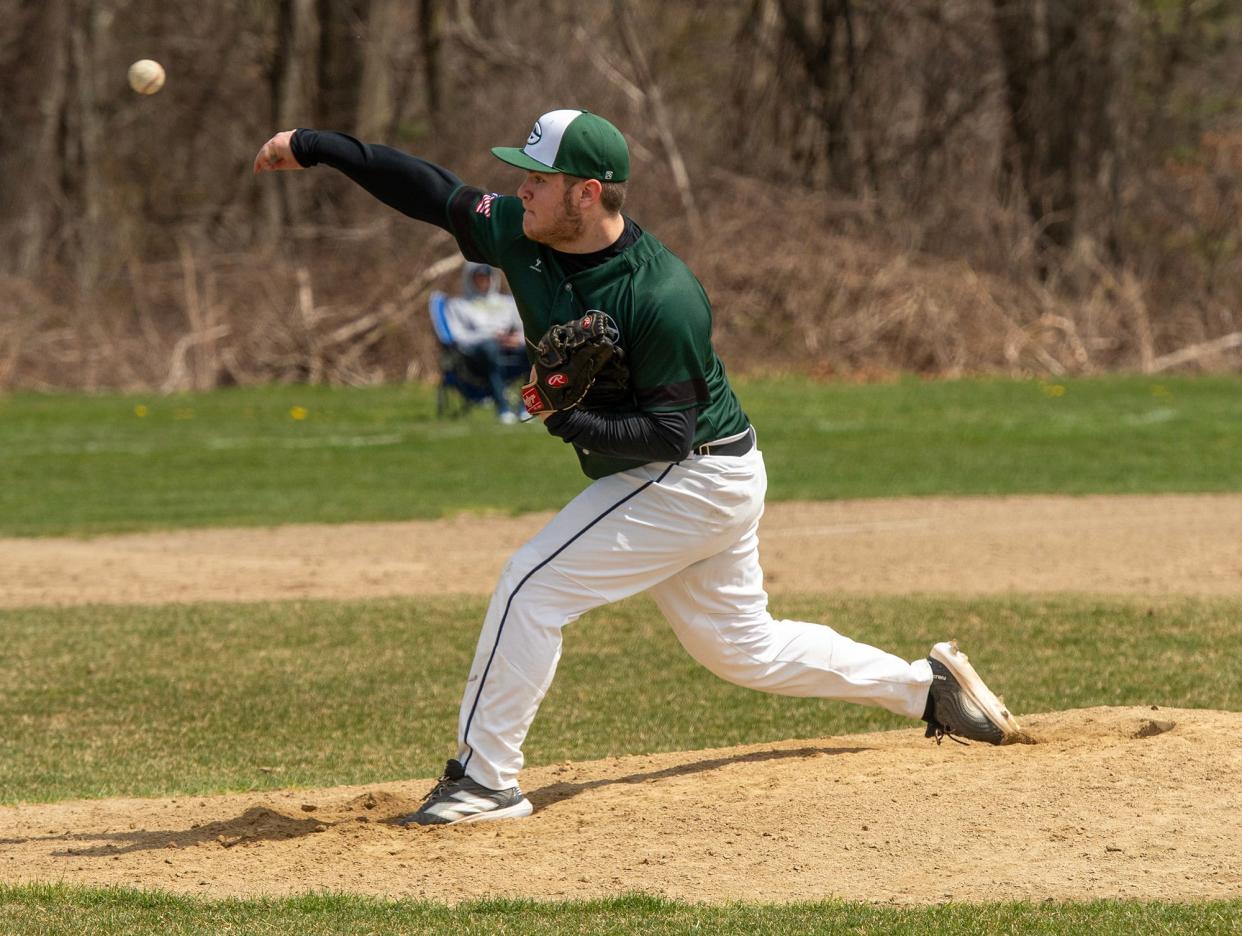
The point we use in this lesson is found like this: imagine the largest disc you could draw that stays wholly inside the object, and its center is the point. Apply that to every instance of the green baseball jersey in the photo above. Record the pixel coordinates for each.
(661, 311)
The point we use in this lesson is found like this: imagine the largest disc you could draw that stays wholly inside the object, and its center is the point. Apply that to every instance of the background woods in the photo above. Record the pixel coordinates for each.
(944, 186)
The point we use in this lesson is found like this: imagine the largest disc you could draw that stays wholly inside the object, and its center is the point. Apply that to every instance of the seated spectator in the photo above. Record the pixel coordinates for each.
(487, 330)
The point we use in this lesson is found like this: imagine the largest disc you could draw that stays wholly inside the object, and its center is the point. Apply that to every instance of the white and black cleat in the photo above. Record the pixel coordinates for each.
(457, 799)
(961, 705)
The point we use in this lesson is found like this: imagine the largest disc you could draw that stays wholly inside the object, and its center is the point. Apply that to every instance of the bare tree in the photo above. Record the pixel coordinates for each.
(294, 80)
(36, 59)
(431, 37)
(1057, 57)
(824, 42)
(940, 185)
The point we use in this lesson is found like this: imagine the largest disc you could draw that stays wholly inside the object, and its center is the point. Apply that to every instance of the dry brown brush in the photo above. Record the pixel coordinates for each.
(976, 186)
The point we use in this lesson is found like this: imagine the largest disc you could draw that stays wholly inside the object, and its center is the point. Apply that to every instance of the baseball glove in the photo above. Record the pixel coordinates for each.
(569, 358)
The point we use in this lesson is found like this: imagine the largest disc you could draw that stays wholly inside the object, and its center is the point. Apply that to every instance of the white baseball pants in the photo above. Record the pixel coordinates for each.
(688, 534)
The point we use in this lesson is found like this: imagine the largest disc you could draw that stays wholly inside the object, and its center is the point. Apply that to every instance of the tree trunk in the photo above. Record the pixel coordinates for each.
(1058, 73)
(294, 96)
(1065, 74)
(430, 34)
(339, 61)
(387, 21)
(659, 114)
(33, 167)
(83, 141)
(819, 46)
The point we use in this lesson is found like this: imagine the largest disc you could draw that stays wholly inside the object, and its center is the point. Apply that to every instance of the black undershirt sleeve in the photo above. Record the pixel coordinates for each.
(640, 436)
(421, 190)
(411, 185)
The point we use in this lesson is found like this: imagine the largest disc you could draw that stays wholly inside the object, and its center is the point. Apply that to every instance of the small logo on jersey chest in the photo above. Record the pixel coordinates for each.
(537, 265)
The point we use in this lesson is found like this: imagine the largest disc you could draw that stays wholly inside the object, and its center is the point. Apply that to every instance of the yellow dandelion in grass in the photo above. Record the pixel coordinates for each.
(298, 412)
(1052, 390)
(141, 411)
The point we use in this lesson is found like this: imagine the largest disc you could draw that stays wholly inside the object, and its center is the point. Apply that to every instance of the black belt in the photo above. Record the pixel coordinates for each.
(736, 447)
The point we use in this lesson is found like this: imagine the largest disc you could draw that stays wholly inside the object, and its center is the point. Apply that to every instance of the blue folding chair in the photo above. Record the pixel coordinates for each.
(460, 387)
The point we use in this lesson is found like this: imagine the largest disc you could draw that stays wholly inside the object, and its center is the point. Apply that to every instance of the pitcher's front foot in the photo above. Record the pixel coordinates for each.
(457, 799)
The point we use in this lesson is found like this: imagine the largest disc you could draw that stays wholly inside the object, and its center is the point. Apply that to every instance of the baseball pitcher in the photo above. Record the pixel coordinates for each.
(625, 373)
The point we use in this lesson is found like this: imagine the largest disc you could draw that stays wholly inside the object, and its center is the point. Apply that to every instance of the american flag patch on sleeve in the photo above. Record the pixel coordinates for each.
(484, 207)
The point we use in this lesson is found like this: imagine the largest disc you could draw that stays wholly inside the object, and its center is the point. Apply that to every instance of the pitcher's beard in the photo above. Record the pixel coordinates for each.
(566, 228)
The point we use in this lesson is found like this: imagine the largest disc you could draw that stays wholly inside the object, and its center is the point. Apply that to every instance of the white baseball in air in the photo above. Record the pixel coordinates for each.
(146, 76)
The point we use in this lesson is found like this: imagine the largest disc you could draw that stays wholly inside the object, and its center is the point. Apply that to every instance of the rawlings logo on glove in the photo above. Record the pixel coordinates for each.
(568, 358)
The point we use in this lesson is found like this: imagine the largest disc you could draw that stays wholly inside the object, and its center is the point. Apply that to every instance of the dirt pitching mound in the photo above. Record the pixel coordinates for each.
(1108, 803)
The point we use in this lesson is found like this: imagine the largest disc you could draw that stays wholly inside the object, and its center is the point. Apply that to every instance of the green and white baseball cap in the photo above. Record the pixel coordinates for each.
(574, 142)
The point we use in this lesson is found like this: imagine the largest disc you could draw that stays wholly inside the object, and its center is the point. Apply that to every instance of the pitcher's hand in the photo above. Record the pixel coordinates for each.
(276, 154)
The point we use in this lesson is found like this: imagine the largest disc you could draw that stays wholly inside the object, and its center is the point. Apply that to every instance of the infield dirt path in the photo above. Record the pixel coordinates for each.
(1141, 803)
(1177, 544)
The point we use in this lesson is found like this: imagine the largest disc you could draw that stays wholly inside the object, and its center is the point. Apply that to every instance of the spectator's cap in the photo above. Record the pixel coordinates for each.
(574, 142)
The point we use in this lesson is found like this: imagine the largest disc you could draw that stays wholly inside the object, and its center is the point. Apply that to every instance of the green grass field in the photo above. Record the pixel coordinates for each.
(156, 701)
(26, 911)
(88, 465)
(100, 701)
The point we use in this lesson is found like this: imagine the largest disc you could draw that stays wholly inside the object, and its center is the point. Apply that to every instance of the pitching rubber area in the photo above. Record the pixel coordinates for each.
(974, 687)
